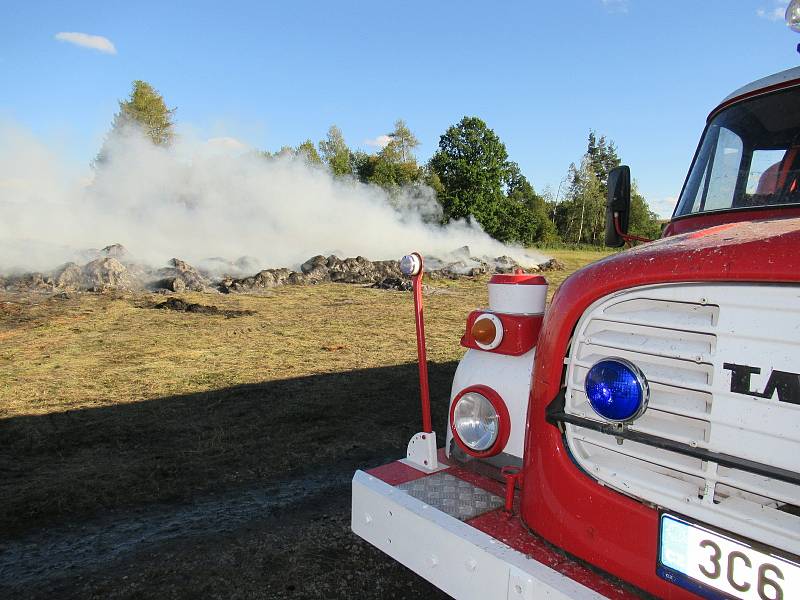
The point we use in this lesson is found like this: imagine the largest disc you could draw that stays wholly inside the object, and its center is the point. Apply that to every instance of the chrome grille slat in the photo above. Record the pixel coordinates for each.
(680, 336)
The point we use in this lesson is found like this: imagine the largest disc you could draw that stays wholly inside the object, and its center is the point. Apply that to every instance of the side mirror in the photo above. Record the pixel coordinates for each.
(618, 206)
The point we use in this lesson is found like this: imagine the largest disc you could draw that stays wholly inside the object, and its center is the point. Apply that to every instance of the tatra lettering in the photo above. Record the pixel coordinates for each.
(786, 384)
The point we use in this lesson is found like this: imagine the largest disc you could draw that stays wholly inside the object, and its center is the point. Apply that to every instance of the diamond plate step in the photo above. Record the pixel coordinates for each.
(454, 496)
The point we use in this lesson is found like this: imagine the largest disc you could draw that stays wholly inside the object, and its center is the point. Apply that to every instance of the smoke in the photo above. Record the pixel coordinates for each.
(206, 200)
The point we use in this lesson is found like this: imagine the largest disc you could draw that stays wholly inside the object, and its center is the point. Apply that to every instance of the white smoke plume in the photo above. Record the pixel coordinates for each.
(200, 200)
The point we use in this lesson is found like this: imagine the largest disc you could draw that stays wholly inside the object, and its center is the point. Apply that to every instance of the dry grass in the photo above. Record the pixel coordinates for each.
(105, 401)
(95, 350)
(98, 350)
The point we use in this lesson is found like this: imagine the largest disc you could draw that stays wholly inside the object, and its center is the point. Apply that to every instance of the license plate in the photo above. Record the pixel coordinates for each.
(716, 565)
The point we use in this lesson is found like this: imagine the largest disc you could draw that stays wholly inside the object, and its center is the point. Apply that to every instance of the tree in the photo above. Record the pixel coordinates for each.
(475, 178)
(642, 221)
(603, 157)
(146, 109)
(580, 217)
(335, 152)
(394, 165)
(472, 166)
(400, 148)
(307, 151)
(534, 224)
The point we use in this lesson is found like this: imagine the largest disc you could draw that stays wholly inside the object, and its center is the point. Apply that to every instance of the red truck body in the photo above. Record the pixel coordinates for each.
(583, 522)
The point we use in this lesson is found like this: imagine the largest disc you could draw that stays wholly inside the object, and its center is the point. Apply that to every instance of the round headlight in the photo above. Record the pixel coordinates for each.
(617, 390)
(476, 421)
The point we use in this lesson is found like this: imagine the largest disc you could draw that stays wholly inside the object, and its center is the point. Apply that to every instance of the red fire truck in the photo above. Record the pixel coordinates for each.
(640, 437)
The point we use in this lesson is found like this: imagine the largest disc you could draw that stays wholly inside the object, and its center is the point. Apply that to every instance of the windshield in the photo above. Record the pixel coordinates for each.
(749, 157)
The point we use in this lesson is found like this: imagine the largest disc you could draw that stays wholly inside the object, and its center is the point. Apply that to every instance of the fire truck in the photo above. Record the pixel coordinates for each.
(639, 438)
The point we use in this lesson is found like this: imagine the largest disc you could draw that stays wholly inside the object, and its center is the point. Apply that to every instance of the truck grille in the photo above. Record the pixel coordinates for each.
(681, 336)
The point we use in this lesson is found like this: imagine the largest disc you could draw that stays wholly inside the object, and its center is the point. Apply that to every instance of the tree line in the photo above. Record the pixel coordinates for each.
(470, 173)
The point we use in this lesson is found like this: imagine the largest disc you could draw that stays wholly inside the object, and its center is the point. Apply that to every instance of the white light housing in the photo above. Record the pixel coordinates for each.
(496, 326)
(410, 265)
(476, 421)
(793, 15)
(517, 294)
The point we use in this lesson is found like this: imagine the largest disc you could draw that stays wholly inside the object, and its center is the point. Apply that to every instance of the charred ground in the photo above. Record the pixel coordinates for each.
(163, 453)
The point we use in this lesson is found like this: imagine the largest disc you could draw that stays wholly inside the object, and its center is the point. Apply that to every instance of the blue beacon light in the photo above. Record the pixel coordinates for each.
(617, 390)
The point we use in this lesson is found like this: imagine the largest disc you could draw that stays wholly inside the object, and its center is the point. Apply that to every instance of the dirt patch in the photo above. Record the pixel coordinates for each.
(179, 305)
(394, 283)
(243, 492)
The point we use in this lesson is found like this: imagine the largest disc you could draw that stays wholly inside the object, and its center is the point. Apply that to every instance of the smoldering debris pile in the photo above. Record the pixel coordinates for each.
(382, 274)
(317, 269)
(113, 268)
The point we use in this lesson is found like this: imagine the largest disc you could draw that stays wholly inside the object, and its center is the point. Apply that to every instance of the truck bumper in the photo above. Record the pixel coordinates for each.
(458, 555)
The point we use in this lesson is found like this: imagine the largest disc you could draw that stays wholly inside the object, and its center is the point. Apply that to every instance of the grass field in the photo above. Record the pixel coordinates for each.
(107, 404)
(93, 350)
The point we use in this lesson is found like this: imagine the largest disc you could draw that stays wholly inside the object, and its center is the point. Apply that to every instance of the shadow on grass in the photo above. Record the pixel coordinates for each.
(79, 464)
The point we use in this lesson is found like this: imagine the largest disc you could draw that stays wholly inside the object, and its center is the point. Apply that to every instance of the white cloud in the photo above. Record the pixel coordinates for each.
(379, 142)
(663, 207)
(615, 6)
(774, 13)
(85, 40)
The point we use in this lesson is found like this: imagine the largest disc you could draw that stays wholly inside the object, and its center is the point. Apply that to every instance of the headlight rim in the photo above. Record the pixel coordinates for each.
(641, 378)
(504, 421)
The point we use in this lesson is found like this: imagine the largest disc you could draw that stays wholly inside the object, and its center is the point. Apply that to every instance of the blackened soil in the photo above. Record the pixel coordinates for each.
(240, 493)
(179, 305)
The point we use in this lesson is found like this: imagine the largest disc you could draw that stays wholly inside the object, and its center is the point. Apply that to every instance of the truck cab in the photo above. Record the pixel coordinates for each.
(640, 437)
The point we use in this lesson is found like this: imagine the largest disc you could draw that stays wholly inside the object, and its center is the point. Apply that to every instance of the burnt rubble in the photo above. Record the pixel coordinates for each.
(394, 283)
(95, 276)
(317, 269)
(180, 276)
(113, 268)
(179, 305)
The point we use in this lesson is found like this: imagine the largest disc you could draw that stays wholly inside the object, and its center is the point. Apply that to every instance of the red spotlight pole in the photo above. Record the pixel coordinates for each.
(422, 358)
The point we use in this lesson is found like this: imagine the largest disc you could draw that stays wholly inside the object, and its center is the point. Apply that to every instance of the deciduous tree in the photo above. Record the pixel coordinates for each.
(335, 152)
(472, 166)
(146, 110)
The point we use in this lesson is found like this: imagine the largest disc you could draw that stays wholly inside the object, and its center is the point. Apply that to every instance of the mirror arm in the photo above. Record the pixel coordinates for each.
(625, 236)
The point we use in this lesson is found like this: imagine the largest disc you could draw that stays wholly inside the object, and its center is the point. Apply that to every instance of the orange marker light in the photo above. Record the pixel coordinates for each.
(484, 331)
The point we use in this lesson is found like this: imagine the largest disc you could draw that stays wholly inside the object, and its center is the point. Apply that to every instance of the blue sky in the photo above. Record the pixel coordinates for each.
(541, 74)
